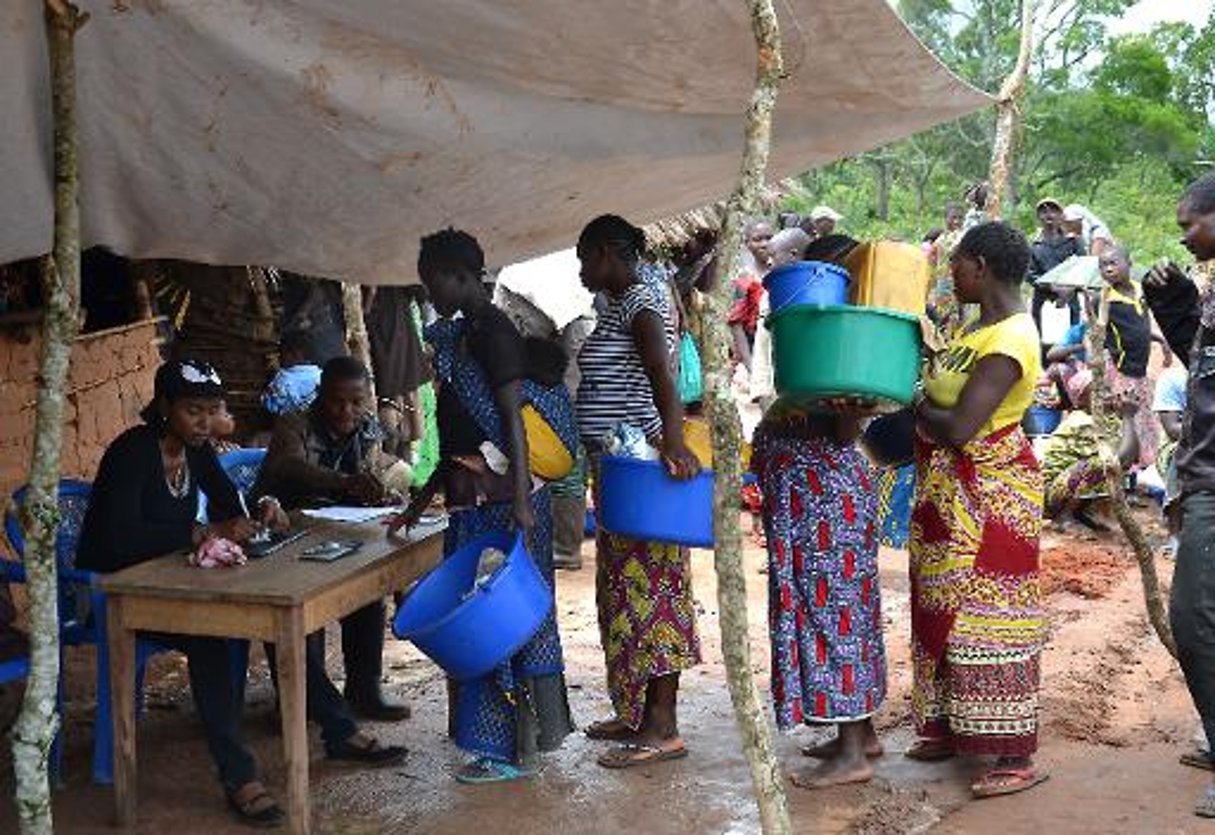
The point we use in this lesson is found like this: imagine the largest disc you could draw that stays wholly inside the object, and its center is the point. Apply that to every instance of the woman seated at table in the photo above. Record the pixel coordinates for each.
(144, 504)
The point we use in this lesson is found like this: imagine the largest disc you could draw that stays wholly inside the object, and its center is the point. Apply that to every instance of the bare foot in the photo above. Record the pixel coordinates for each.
(834, 772)
(831, 749)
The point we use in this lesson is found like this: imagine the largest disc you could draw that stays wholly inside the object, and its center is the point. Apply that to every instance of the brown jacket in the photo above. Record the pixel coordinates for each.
(306, 463)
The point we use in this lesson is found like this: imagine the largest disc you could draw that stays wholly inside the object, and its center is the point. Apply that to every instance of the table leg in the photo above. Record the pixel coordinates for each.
(122, 708)
(292, 695)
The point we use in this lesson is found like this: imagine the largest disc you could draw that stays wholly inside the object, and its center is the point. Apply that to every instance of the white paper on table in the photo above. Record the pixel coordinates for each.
(339, 513)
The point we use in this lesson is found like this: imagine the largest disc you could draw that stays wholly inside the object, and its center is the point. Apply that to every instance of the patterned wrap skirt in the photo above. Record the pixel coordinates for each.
(521, 708)
(824, 604)
(647, 616)
(977, 620)
(896, 489)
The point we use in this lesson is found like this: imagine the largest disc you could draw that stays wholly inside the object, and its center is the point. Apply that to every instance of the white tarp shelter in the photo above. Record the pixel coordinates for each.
(326, 136)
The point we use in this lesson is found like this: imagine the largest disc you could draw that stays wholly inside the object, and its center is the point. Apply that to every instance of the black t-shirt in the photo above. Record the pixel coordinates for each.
(1129, 338)
(492, 340)
(132, 516)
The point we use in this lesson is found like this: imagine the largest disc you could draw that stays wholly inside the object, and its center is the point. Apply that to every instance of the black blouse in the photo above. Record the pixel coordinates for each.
(132, 516)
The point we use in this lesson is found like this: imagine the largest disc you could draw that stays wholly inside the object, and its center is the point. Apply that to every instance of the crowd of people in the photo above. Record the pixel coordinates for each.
(510, 429)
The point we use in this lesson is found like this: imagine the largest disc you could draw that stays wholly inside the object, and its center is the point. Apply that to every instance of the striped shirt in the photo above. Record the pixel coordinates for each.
(614, 387)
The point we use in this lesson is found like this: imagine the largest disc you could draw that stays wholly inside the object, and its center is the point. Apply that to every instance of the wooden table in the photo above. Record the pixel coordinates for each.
(277, 599)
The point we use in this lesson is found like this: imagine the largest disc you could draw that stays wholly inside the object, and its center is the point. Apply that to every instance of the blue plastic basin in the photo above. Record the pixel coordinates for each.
(469, 635)
(639, 499)
(806, 282)
(1042, 420)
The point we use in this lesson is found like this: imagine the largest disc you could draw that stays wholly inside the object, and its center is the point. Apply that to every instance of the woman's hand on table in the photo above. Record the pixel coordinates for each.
(271, 514)
(236, 529)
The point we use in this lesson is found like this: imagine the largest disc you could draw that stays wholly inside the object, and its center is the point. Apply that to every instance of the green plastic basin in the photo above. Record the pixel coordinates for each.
(839, 351)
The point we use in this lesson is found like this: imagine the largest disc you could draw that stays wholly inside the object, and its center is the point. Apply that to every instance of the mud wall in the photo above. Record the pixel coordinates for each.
(109, 383)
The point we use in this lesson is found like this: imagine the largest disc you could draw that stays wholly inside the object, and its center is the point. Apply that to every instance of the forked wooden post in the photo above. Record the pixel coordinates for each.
(1008, 118)
(35, 731)
(1153, 596)
(727, 433)
(357, 343)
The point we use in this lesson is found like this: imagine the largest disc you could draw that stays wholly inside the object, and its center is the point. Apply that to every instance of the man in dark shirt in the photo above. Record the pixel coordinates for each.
(1185, 309)
(332, 452)
(1050, 249)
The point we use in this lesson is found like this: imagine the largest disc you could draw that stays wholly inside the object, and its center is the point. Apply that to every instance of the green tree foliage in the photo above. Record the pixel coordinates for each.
(1119, 124)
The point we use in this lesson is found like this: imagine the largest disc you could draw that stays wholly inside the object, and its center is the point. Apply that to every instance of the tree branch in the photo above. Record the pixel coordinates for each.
(727, 431)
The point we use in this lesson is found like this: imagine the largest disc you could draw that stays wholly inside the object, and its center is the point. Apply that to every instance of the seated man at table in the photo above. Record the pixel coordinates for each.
(143, 505)
(332, 453)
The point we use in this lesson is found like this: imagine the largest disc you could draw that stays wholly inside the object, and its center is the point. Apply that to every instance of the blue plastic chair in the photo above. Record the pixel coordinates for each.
(82, 619)
(242, 467)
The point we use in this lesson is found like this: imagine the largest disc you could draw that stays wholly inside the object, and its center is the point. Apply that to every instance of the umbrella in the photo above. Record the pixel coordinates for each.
(1080, 271)
(1077, 271)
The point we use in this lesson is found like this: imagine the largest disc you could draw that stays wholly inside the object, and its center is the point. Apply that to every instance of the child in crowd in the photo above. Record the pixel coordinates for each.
(824, 606)
(1075, 460)
(295, 385)
(223, 427)
(1128, 344)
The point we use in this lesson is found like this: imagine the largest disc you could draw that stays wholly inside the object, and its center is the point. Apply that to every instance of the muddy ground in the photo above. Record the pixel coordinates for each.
(1115, 717)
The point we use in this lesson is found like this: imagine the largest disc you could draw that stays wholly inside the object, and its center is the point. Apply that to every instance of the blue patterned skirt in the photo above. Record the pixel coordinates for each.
(824, 604)
(521, 708)
(896, 489)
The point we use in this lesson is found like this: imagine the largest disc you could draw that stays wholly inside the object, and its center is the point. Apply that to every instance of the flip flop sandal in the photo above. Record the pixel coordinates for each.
(930, 751)
(247, 812)
(1197, 759)
(486, 770)
(1002, 781)
(633, 754)
(1205, 808)
(373, 753)
(599, 732)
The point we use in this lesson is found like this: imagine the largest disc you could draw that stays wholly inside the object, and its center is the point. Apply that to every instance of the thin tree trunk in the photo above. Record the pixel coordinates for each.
(260, 293)
(1008, 118)
(356, 329)
(35, 730)
(1153, 596)
(881, 173)
(727, 433)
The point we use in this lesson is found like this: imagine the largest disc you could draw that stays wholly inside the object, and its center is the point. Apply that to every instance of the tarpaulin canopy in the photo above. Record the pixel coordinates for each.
(326, 136)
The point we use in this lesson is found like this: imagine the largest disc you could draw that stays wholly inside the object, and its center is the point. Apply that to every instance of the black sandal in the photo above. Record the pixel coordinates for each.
(373, 753)
(252, 811)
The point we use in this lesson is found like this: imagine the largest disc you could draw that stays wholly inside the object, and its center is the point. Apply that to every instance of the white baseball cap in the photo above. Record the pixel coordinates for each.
(819, 212)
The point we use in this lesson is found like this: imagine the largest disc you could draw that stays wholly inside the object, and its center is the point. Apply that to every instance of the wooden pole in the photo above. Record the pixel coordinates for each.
(357, 342)
(1008, 118)
(1153, 596)
(35, 730)
(727, 432)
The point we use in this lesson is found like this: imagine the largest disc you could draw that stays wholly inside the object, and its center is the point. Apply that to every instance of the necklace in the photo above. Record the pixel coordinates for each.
(178, 479)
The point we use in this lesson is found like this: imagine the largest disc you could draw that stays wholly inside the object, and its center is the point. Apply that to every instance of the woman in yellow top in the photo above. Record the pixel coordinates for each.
(977, 621)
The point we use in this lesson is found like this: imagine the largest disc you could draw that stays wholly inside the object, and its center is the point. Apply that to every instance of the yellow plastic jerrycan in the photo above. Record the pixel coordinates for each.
(890, 275)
